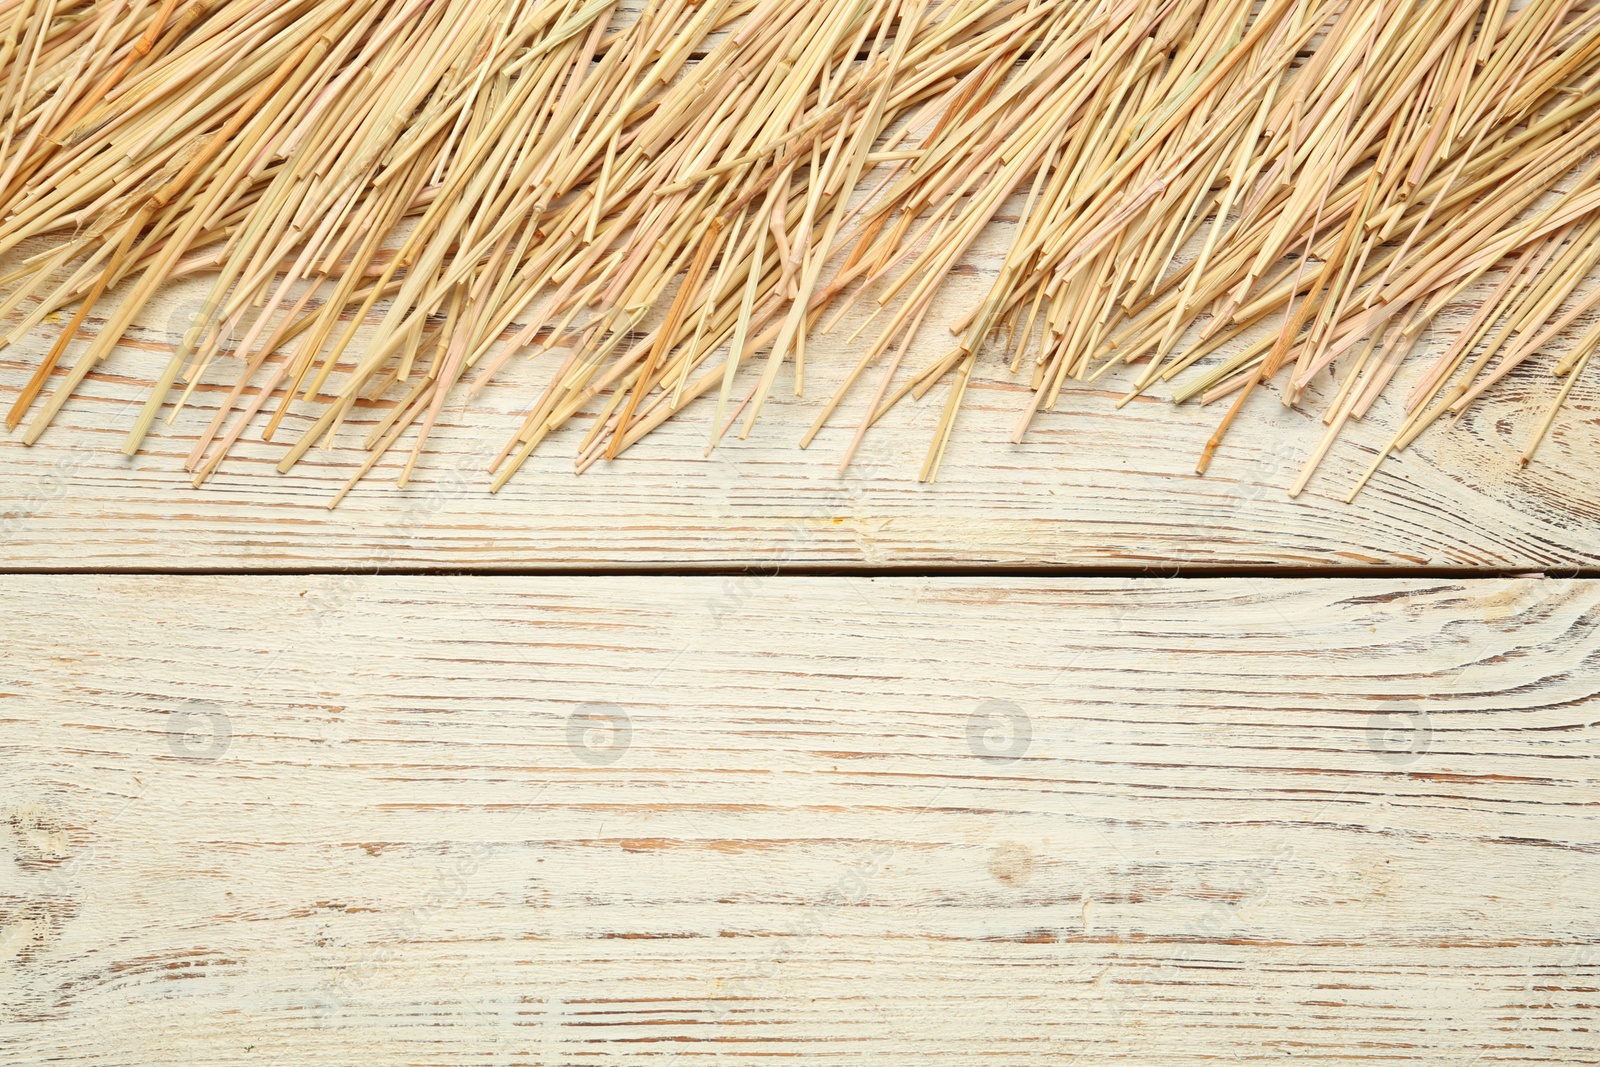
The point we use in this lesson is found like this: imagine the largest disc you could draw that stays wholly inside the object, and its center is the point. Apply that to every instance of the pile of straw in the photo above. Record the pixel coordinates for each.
(666, 201)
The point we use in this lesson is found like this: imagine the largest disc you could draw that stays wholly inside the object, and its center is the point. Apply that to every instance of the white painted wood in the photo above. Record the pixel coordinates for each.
(345, 819)
(1090, 487)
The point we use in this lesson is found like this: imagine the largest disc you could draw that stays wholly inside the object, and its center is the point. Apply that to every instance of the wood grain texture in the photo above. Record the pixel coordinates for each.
(565, 821)
(1091, 487)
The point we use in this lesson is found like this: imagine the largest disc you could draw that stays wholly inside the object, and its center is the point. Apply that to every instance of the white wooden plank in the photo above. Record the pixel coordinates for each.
(1090, 487)
(287, 820)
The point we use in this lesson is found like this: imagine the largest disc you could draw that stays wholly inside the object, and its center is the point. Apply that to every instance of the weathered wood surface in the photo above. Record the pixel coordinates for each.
(564, 821)
(1091, 487)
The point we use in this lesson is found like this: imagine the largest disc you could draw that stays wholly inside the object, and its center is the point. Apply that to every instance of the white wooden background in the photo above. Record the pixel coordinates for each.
(351, 817)
(494, 820)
